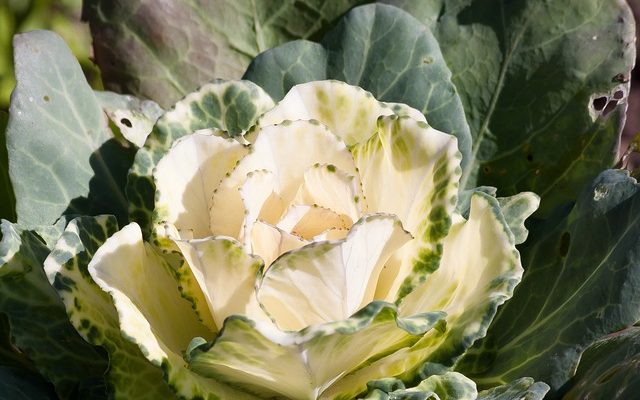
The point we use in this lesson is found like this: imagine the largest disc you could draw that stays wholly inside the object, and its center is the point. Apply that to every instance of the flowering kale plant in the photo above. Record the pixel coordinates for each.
(322, 200)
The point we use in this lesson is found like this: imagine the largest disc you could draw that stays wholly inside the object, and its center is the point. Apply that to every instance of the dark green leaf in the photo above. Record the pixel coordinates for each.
(381, 49)
(609, 369)
(7, 199)
(17, 384)
(163, 53)
(580, 283)
(63, 157)
(39, 324)
(528, 73)
(10, 356)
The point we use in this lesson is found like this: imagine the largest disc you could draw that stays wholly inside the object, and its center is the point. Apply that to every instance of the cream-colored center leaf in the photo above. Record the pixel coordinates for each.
(287, 151)
(330, 280)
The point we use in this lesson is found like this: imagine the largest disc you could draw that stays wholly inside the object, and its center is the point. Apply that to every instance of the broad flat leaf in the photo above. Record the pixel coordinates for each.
(163, 53)
(528, 73)
(609, 368)
(520, 389)
(8, 202)
(39, 325)
(580, 283)
(232, 107)
(91, 311)
(63, 158)
(381, 49)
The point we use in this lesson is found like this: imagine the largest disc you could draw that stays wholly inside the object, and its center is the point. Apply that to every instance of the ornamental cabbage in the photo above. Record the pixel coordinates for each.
(323, 250)
(328, 246)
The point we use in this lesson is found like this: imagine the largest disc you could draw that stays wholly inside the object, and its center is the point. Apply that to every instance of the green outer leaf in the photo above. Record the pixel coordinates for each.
(279, 69)
(527, 73)
(520, 389)
(91, 311)
(464, 198)
(232, 106)
(62, 156)
(580, 283)
(516, 209)
(381, 49)
(447, 386)
(609, 368)
(16, 384)
(10, 356)
(134, 118)
(163, 53)
(8, 203)
(305, 357)
(39, 325)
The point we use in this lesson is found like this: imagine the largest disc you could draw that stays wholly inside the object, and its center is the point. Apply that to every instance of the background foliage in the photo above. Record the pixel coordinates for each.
(543, 104)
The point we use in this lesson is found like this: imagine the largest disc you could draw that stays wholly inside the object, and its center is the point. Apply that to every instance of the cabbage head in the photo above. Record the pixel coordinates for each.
(319, 253)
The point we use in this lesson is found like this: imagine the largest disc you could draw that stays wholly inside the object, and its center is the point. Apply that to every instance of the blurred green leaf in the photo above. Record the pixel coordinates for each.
(164, 53)
(61, 16)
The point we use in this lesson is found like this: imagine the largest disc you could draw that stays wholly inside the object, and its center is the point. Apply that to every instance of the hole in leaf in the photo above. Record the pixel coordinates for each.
(600, 103)
(610, 107)
(126, 122)
(565, 241)
(620, 78)
(618, 95)
(530, 157)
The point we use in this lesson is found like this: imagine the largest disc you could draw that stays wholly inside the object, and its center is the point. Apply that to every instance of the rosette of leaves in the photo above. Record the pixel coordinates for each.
(316, 253)
(73, 151)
